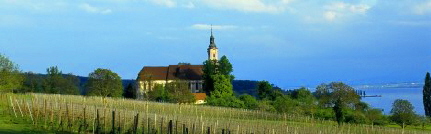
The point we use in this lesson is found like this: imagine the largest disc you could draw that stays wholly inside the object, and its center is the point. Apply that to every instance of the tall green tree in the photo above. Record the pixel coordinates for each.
(53, 80)
(105, 83)
(56, 82)
(222, 86)
(402, 113)
(11, 78)
(209, 69)
(264, 90)
(225, 67)
(427, 95)
(338, 96)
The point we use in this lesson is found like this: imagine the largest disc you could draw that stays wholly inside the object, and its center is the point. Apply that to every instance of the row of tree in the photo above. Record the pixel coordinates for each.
(101, 82)
(334, 101)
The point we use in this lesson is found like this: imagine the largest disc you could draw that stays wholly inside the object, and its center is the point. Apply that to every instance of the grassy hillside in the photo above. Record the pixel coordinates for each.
(9, 124)
(95, 114)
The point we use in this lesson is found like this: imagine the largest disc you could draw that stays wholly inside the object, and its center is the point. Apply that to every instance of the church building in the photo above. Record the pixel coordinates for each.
(149, 76)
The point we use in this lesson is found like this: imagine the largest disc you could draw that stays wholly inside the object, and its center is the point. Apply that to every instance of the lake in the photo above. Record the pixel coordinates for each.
(389, 95)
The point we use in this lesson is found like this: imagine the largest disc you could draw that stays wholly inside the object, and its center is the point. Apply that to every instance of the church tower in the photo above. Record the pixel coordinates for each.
(212, 49)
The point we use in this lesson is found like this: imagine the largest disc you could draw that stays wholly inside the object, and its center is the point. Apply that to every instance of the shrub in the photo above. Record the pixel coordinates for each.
(249, 101)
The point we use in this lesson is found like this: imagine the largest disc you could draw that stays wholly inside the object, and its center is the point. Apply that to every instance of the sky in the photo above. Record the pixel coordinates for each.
(289, 43)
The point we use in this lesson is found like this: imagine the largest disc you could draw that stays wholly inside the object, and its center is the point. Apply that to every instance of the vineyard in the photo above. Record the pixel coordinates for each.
(81, 114)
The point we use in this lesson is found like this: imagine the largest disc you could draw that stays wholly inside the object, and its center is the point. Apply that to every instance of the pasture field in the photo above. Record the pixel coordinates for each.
(83, 114)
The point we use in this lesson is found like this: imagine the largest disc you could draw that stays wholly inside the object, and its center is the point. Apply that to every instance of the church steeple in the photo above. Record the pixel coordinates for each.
(212, 43)
(212, 49)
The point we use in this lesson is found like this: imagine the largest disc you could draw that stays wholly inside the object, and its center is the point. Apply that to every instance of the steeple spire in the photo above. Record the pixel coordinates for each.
(212, 43)
(212, 48)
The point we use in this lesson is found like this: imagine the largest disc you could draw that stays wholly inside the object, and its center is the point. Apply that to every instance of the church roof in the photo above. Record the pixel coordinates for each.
(171, 72)
(200, 96)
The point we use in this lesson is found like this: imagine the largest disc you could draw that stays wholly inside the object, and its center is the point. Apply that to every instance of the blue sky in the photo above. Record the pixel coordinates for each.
(287, 42)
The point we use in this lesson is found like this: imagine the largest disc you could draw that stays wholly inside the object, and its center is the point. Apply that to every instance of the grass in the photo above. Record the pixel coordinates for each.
(11, 125)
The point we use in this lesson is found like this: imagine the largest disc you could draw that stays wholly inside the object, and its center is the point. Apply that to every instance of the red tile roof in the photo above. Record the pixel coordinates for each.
(171, 72)
(200, 96)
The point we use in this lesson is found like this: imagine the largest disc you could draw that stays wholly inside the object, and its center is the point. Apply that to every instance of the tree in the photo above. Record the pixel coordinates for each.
(374, 115)
(57, 83)
(225, 101)
(158, 93)
(209, 69)
(402, 113)
(427, 95)
(337, 95)
(222, 86)
(70, 84)
(305, 99)
(249, 101)
(179, 92)
(130, 92)
(32, 83)
(53, 80)
(11, 78)
(225, 67)
(264, 90)
(105, 83)
(285, 104)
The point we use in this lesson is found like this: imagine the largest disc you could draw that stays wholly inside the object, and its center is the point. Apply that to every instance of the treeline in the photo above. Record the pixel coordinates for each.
(100, 82)
(334, 101)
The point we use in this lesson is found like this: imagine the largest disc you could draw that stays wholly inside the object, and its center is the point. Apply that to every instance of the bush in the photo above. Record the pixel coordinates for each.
(354, 117)
(285, 104)
(325, 113)
(249, 101)
(226, 101)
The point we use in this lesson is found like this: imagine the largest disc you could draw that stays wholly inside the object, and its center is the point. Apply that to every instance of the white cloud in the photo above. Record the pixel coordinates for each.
(330, 15)
(247, 5)
(422, 8)
(337, 10)
(167, 3)
(189, 5)
(218, 27)
(91, 9)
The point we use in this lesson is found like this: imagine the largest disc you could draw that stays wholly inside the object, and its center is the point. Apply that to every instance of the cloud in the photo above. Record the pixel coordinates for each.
(218, 27)
(422, 8)
(361, 9)
(91, 9)
(330, 15)
(337, 10)
(247, 5)
(167, 3)
(189, 5)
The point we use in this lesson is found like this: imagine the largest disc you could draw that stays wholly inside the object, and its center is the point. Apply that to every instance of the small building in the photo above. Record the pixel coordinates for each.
(149, 76)
(200, 98)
